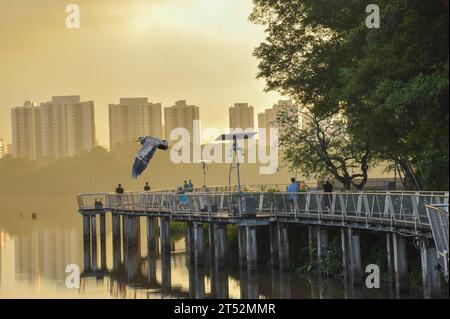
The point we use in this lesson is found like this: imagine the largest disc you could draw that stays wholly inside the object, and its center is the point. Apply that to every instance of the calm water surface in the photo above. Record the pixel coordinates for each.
(34, 254)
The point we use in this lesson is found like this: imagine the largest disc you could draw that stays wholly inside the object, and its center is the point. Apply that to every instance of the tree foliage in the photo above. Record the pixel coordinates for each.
(320, 145)
(391, 83)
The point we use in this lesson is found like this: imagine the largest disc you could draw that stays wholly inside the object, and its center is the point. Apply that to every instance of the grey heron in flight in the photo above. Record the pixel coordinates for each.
(149, 147)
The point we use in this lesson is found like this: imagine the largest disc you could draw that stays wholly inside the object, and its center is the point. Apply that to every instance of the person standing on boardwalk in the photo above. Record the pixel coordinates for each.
(293, 196)
(119, 189)
(190, 186)
(328, 188)
(119, 192)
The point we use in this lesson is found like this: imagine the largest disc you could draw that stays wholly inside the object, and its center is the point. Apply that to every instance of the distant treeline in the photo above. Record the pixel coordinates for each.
(100, 171)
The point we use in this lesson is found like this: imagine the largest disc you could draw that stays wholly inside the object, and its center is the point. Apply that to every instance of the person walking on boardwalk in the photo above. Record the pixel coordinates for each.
(293, 195)
(190, 186)
(147, 187)
(185, 185)
(328, 188)
(183, 199)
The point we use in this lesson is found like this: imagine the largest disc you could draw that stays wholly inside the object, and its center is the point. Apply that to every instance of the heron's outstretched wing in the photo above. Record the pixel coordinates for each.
(143, 158)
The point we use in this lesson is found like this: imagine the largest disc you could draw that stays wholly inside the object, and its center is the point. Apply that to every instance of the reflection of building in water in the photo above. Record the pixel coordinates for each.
(45, 254)
(2, 148)
(2, 243)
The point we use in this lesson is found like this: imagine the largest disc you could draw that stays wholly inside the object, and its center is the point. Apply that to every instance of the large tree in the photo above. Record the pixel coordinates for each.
(390, 83)
(320, 146)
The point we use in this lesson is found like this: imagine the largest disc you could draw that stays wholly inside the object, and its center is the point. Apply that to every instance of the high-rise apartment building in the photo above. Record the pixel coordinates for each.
(67, 126)
(241, 116)
(133, 118)
(268, 119)
(180, 115)
(26, 131)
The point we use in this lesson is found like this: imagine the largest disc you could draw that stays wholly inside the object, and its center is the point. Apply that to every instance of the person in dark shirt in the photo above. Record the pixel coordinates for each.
(328, 188)
(119, 192)
(147, 187)
(119, 189)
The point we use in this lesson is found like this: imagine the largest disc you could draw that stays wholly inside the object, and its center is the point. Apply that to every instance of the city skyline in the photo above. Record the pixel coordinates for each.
(134, 117)
(266, 112)
(167, 51)
(241, 116)
(65, 126)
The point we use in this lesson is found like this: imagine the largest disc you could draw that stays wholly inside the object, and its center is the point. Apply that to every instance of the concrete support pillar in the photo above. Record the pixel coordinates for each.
(322, 242)
(151, 269)
(311, 240)
(211, 241)
(213, 278)
(129, 232)
(221, 285)
(190, 245)
(242, 246)
(132, 257)
(252, 285)
(400, 263)
(94, 242)
(151, 235)
(252, 249)
(243, 284)
(166, 270)
(354, 250)
(430, 274)
(274, 249)
(390, 258)
(103, 241)
(220, 244)
(345, 254)
(137, 233)
(198, 245)
(285, 286)
(164, 234)
(275, 283)
(87, 241)
(126, 234)
(124, 239)
(197, 283)
(117, 247)
(283, 246)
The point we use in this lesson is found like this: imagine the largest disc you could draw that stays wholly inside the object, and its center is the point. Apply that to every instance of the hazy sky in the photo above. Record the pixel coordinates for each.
(198, 50)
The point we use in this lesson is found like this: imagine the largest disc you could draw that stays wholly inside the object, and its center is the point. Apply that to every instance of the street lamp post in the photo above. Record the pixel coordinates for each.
(234, 137)
(204, 168)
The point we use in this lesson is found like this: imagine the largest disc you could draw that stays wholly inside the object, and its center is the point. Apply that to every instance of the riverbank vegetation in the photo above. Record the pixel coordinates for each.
(367, 95)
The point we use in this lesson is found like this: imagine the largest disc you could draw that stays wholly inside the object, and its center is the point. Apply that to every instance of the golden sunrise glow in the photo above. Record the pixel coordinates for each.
(166, 50)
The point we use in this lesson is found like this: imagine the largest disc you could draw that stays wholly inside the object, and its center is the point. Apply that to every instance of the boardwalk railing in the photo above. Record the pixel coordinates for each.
(404, 210)
(438, 216)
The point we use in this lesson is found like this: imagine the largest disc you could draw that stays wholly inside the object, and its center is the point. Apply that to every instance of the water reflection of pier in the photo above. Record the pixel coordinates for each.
(150, 271)
(40, 257)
